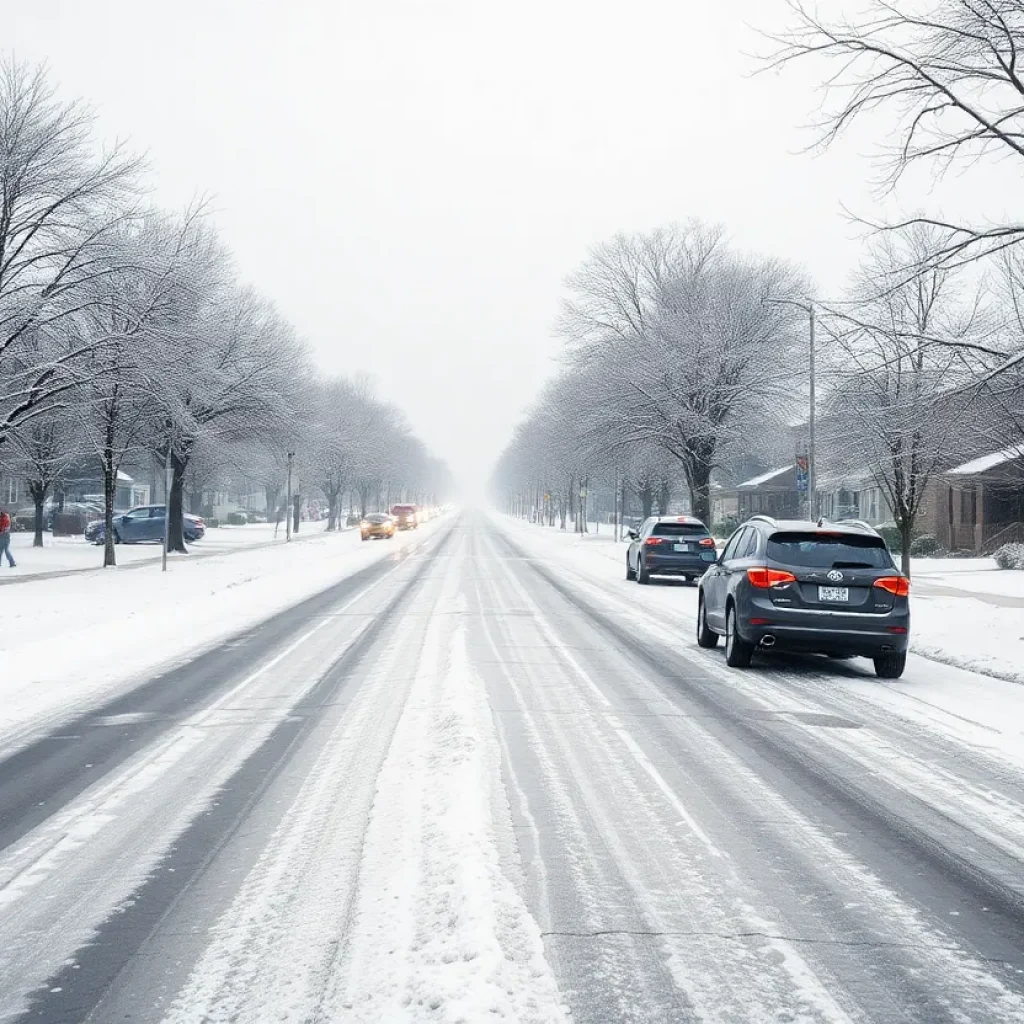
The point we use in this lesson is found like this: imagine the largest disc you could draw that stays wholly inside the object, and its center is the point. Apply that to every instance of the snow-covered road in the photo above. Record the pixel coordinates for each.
(474, 781)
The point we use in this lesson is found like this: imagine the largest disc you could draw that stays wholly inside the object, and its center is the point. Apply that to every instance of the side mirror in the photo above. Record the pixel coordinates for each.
(632, 534)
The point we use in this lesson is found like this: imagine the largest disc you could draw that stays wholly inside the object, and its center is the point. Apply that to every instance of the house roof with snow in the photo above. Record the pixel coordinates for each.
(984, 463)
(764, 478)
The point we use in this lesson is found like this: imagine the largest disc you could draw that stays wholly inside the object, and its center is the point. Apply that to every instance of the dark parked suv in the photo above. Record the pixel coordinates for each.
(825, 588)
(669, 546)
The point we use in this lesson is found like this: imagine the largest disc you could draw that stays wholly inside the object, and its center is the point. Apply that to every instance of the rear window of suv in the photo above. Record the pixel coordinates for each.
(679, 530)
(824, 551)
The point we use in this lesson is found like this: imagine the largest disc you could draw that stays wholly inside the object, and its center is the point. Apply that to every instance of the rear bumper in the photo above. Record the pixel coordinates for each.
(826, 632)
(676, 565)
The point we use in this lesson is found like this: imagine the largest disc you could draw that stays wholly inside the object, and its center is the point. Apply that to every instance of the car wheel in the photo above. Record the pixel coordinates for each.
(642, 575)
(706, 637)
(890, 665)
(630, 573)
(737, 651)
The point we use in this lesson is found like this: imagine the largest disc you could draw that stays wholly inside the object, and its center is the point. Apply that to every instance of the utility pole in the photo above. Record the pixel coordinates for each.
(812, 497)
(288, 507)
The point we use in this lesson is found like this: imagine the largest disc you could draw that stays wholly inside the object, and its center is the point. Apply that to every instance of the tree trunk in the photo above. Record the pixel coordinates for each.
(333, 494)
(664, 497)
(647, 499)
(296, 512)
(109, 493)
(700, 491)
(175, 506)
(906, 528)
(38, 491)
(272, 495)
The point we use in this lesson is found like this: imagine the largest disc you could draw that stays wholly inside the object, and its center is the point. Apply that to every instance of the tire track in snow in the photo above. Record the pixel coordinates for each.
(925, 948)
(115, 913)
(440, 931)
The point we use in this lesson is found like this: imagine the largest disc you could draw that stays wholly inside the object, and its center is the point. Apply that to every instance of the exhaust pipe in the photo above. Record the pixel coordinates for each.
(768, 640)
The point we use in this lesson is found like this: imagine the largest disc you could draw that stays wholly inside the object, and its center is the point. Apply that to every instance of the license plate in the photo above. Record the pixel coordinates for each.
(681, 547)
(833, 593)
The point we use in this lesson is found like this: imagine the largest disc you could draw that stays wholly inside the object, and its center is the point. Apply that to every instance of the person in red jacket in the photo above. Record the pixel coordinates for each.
(5, 537)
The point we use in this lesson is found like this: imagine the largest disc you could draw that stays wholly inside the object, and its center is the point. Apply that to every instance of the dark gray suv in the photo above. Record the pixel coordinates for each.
(824, 588)
(669, 546)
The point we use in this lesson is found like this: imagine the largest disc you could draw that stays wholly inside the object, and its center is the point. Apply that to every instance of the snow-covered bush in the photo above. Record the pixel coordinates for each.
(891, 535)
(1010, 556)
(925, 546)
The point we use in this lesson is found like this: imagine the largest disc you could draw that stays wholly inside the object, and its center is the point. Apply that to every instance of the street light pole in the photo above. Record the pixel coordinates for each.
(808, 308)
(288, 507)
(812, 494)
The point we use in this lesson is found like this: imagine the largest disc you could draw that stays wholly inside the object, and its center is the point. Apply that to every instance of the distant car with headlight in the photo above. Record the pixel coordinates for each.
(377, 526)
(406, 517)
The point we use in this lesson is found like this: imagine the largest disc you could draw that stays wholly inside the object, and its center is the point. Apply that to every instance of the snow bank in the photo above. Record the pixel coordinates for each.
(74, 554)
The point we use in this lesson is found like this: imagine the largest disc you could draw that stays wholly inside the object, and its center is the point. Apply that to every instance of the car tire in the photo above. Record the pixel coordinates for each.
(738, 652)
(706, 637)
(630, 573)
(117, 537)
(890, 665)
(642, 575)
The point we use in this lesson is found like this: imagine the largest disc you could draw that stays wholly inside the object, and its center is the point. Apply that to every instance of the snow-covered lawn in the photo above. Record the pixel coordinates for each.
(957, 627)
(64, 554)
(70, 642)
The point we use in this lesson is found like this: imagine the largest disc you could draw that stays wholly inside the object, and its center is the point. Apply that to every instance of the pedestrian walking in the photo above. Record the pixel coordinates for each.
(5, 537)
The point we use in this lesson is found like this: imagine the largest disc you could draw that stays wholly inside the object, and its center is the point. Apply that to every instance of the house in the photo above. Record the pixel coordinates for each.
(86, 484)
(853, 495)
(982, 502)
(773, 493)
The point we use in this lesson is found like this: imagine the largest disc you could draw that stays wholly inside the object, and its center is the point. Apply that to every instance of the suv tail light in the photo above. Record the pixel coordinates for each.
(707, 542)
(898, 586)
(763, 577)
(651, 541)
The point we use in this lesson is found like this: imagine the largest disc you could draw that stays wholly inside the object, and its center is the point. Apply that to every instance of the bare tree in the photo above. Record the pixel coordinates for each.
(947, 72)
(346, 415)
(60, 204)
(690, 354)
(902, 407)
(238, 372)
(43, 449)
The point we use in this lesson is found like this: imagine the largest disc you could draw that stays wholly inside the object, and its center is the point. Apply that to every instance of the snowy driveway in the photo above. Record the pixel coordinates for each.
(469, 783)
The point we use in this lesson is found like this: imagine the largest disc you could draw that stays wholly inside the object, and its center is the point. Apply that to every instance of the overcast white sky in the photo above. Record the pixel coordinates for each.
(412, 180)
